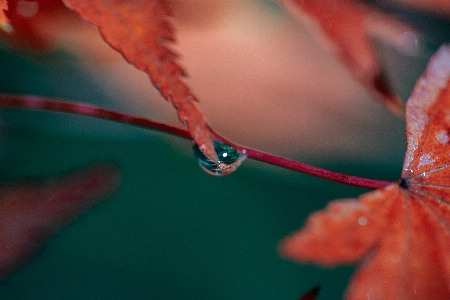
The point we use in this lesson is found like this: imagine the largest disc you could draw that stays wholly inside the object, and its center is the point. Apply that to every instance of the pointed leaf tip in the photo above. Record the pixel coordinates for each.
(140, 30)
(311, 294)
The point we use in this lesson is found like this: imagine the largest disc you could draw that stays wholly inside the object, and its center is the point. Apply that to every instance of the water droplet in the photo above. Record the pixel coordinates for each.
(229, 159)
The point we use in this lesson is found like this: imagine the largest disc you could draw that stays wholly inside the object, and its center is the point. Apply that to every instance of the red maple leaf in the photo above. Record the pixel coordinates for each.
(140, 31)
(30, 212)
(399, 235)
(348, 27)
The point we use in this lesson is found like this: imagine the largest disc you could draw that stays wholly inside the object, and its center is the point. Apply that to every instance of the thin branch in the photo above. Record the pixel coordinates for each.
(40, 103)
(315, 171)
(78, 108)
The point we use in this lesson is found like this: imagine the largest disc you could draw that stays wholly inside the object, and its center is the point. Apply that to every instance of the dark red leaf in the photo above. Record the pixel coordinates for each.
(311, 295)
(31, 211)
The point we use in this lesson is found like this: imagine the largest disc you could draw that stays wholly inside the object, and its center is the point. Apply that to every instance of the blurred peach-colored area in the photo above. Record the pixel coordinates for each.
(262, 79)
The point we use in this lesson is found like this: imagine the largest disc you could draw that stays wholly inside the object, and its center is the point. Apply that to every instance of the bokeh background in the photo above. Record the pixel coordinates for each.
(171, 231)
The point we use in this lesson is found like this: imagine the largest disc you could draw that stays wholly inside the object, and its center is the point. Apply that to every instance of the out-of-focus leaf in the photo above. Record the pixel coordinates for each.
(400, 235)
(36, 24)
(31, 211)
(140, 31)
(347, 27)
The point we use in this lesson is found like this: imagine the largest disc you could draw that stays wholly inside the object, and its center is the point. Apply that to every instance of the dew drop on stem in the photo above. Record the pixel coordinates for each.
(229, 159)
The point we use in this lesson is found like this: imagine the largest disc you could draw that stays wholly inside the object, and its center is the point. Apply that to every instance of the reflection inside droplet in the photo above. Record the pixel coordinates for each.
(229, 159)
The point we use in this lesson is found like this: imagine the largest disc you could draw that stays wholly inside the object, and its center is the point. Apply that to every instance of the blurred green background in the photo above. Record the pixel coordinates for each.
(170, 231)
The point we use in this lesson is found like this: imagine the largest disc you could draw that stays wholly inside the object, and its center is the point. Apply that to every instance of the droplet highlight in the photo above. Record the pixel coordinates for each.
(229, 159)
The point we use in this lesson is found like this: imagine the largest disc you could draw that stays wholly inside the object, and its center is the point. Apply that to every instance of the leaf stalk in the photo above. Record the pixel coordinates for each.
(83, 109)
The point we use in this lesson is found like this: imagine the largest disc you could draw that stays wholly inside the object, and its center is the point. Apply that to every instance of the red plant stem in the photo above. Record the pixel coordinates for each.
(315, 171)
(40, 103)
(78, 108)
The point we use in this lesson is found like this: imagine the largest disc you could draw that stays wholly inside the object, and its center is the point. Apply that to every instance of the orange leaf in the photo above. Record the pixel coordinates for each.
(347, 27)
(30, 212)
(4, 22)
(400, 235)
(140, 30)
